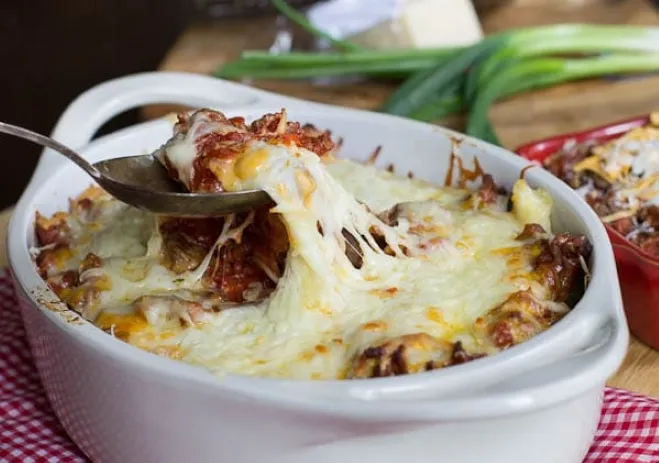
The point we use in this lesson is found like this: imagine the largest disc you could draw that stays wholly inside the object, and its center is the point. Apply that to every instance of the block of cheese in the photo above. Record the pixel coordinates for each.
(425, 24)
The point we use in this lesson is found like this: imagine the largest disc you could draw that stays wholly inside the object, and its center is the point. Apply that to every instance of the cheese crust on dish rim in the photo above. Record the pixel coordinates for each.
(381, 275)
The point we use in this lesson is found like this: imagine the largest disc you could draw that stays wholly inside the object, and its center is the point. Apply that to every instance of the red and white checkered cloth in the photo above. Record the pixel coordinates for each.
(628, 431)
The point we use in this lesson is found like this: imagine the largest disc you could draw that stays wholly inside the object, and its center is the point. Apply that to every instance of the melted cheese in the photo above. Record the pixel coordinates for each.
(381, 190)
(532, 206)
(181, 149)
(460, 263)
(630, 159)
(630, 164)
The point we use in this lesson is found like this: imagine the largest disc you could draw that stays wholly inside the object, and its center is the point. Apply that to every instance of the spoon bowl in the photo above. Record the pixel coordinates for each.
(143, 182)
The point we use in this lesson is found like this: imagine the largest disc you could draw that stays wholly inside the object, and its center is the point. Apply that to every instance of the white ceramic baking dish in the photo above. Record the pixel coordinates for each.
(537, 402)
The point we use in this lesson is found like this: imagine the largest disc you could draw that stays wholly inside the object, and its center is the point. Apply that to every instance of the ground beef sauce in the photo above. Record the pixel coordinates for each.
(411, 353)
(245, 268)
(619, 179)
(560, 263)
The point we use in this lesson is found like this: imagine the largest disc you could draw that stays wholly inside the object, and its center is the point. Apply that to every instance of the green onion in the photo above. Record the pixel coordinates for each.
(374, 68)
(364, 56)
(400, 62)
(447, 80)
(438, 107)
(562, 40)
(293, 15)
(544, 72)
(417, 90)
(510, 46)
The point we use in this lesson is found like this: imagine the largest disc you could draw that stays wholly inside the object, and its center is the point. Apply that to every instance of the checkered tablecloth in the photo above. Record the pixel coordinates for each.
(30, 433)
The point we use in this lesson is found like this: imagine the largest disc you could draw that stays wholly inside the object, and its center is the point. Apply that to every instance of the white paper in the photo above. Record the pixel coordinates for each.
(344, 18)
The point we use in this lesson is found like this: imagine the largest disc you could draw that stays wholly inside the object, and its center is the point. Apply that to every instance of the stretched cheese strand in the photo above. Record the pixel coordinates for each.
(316, 210)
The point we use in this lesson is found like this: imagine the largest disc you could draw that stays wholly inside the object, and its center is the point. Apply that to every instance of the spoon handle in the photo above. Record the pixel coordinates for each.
(52, 144)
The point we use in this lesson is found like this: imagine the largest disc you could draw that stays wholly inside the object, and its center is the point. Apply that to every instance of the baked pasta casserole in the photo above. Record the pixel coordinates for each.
(619, 179)
(351, 272)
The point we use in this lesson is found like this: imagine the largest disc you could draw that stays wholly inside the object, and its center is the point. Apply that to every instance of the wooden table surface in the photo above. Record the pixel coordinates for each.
(524, 118)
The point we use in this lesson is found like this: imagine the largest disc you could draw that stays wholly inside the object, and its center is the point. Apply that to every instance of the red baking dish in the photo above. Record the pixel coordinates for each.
(638, 271)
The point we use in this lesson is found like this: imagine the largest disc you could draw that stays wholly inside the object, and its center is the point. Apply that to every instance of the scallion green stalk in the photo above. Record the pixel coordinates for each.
(566, 39)
(509, 46)
(439, 106)
(419, 88)
(365, 56)
(374, 68)
(400, 62)
(543, 72)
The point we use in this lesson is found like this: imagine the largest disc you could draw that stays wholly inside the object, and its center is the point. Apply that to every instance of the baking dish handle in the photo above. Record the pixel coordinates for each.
(594, 348)
(93, 108)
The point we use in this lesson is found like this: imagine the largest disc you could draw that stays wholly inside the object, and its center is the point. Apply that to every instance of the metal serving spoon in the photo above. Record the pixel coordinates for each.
(142, 181)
